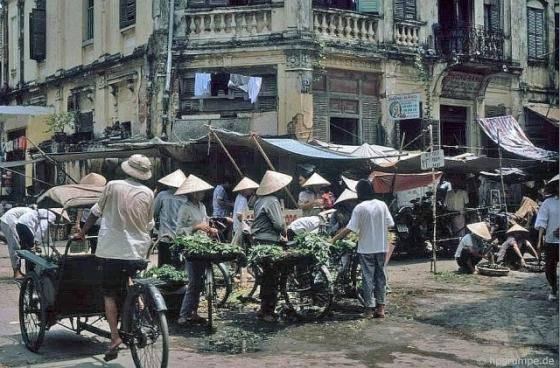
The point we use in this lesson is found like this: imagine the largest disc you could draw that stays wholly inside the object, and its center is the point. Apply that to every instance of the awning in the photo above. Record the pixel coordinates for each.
(506, 131)
(26, 110)
(70, 196)
(548, 112)
(390, 183)
(89, 155)
(9, 164)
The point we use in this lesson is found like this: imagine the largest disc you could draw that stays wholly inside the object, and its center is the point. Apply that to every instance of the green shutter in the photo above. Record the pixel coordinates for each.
(368, 6)
(535, 34)
(404, 9)
(494, 16)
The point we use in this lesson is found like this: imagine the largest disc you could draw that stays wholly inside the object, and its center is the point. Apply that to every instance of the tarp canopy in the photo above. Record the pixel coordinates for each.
(70, 196)
(505, 131)
(390, 183)
(26, 110)
(548, 112)
(114, 153)
(378, 155)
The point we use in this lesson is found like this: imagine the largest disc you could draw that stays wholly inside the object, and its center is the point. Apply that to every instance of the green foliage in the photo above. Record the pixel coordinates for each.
(271, 253)
(59, 121)
(342, 247)
(424, 76)
(201, 245)
(309, 244)
(167, 273)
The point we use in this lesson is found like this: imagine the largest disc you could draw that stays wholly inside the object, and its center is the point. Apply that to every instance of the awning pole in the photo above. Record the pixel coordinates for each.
(227, 153)
(434, 202)
(501, 171)
(397, 164)
(51, 160)
(259, 147)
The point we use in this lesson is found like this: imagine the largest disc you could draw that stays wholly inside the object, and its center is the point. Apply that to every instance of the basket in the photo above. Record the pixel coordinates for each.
(486, 271)
(289, 259)
(214, 257)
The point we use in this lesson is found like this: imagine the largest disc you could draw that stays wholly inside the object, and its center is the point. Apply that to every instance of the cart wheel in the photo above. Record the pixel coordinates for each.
(356, 278)
(32, 312)
(308, 291)
(222, 285)
(149, 334)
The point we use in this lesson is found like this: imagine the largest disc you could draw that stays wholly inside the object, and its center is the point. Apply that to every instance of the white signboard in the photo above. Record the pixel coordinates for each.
(430, 160)
(403, 107)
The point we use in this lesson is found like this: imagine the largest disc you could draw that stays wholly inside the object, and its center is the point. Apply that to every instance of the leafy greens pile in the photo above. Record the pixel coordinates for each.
(201, 245)
(167, 273)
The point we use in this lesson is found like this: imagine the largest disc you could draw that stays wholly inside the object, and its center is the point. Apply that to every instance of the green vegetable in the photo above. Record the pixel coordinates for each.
(200, 245)
(167, 273)
(271, 253)
(342, 247)
(310, 244)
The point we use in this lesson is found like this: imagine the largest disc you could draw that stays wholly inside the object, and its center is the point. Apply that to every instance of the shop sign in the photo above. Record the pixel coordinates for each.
(402, 107)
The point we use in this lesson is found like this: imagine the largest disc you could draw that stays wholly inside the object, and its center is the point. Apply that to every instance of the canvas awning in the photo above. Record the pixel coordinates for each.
(505, 131)
(390, 183)
(26, 110)
(548, 112)
(70, 196)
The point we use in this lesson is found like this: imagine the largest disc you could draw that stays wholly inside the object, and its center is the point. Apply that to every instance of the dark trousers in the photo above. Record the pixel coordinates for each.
(26, 237)
(164, 253)
(550, 263)
(466, 258)
(269, 282)
(191, 299)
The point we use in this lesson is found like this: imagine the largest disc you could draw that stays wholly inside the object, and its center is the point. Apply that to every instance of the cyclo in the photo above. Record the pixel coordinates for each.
(66, 285)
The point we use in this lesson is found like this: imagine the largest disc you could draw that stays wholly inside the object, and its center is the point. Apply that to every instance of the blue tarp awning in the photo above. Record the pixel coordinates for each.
(295, 147)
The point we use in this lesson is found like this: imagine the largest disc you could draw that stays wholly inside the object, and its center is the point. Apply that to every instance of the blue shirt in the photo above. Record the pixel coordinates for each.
(220, 194)
(166, 207)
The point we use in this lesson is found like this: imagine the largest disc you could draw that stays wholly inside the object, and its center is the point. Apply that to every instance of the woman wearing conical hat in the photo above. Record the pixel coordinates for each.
(512, 250)
(473, 247)
(269, 228)
(244, 189)
(310, 199)
(166, 209)
(193, 217)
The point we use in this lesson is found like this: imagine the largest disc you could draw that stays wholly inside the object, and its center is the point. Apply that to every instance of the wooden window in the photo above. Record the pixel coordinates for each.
(88, 24)
(37, 34)
(127, 13)
(368, 6)
(405, 9)
(492, 15)
(536, 40)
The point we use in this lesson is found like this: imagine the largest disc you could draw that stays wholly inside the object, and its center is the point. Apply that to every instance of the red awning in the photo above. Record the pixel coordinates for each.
(390, 183)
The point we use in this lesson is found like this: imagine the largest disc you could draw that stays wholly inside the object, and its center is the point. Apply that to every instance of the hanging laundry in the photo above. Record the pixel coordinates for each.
(239, 81)
(22, 144)
(255, 84)
(202, 84)
(219, 83)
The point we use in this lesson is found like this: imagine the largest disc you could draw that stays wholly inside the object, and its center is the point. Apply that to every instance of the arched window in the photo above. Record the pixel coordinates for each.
(536, 36)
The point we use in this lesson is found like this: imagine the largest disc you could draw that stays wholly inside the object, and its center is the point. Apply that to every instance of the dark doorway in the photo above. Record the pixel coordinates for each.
(411, 130)
(453, 129)
(455, 13)
(344, 131)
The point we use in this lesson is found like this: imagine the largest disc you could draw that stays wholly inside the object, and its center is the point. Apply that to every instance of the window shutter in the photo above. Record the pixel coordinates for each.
(535, 34)
(321, 117)
(127, 13)
(368, 6)
(494, 16)
(405, 9)
(37, 34)
(370, 114)
(85, 122)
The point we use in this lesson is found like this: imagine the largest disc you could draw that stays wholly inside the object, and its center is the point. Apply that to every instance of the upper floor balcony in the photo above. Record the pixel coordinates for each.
(471, 44)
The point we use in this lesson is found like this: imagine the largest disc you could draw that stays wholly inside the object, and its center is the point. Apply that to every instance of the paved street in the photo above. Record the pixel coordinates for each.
(447, 320)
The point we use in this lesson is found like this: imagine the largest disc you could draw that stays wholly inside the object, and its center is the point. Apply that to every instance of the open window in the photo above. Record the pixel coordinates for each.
(344, 131)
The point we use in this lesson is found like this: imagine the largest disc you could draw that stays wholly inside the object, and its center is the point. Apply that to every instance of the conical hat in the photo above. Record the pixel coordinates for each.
(316, 179)
(193, 184)
(61, 212)
(175, 179)
(272, 182)
(480, 229)
(516, 228)
(556, 178)
(351, 184)
(346, 195)
(93, 179)
(244, 184)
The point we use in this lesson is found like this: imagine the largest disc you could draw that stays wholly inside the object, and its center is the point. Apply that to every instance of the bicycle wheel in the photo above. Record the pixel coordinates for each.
(148, 332)
(308, 291)
(356, 277)
(32, 312)
(222, 284)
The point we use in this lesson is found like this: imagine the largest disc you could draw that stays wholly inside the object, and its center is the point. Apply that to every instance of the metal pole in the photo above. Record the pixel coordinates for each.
(501, 172)
(434, 201)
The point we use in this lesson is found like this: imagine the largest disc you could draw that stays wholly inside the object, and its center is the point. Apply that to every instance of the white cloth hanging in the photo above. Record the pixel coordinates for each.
(255, 84)
(202, 84)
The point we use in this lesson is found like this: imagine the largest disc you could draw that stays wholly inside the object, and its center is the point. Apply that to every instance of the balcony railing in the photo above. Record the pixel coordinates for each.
(225, 24)
(471, 42)
(407, 34)
(344, 26)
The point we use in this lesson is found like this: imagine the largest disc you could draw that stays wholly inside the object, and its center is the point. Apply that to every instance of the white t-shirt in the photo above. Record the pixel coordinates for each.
(371, 220)
(11, 217)
(239, 208)
(456, 200)
(305, 224)
(38, 222)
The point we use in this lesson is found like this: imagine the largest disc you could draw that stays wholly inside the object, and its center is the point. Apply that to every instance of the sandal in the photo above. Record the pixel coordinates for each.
(111, 354)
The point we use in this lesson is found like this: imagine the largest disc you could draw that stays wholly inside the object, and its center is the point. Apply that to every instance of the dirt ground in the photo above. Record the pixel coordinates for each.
(444, 320)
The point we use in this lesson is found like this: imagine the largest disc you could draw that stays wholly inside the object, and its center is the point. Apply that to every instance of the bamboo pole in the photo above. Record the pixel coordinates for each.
(501, 172)
(50, 159)
(227, 153)
(261, 150)
(434, 208)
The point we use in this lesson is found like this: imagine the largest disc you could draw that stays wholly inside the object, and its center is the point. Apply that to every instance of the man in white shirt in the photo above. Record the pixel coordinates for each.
(370, 221)
(8, 223)
(126, 208)
(456, 200)
(33, 227)
(547, 223)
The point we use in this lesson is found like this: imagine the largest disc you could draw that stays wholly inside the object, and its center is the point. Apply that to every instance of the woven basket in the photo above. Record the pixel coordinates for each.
(492, 271)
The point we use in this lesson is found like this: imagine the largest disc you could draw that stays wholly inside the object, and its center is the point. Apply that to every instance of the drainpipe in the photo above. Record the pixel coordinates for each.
(21, 43)
(166, 93)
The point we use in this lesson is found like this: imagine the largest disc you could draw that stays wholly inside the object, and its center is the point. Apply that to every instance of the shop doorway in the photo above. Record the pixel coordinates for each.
(344, 131)
(453, 129)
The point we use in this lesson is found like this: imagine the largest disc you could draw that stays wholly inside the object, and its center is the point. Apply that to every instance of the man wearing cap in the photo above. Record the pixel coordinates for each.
(512, 250)
(193, 217)
(370, 221)
(126, 209)
(166, 208)
(269, 228)
(8, 223)
(473, 247)
(244, 189)
(547, 223)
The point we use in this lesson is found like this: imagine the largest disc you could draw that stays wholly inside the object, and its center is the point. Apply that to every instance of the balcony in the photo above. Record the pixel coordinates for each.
(228, 24)
(407, 33)
(345, 27)
(471, 44)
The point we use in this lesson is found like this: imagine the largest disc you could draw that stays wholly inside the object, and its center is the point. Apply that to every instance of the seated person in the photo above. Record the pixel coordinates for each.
(512, 250)
(473, 247)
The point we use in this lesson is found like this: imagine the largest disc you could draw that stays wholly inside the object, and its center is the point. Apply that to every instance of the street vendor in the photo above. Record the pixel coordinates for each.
(33, 227)
(8, 223)
(343, 205)
(221, 204)
(547, 223)
(126, 209)
(512, 250)
(473, 247)
(312, 199)
(309, 224)
(166, 208)
(244, 189)
(456, 200)
(269, 228)
(193, 217)
(371, 221)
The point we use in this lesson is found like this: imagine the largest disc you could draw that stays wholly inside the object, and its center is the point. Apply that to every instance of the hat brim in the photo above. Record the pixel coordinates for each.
(135, 173)
(280, 183)
(480, 231)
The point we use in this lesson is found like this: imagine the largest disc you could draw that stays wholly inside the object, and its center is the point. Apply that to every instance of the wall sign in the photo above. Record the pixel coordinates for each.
(462, 86)
(402, 107)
